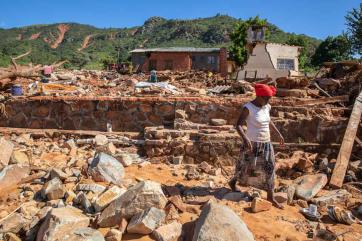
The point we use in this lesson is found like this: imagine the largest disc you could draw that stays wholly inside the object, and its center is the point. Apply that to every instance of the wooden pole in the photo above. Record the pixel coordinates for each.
(346, 148)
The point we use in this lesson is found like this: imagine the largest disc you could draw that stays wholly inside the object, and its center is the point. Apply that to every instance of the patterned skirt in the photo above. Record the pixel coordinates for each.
(257, 168)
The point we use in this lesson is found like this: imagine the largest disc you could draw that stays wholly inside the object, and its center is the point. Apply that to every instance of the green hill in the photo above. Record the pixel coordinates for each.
(48, 45)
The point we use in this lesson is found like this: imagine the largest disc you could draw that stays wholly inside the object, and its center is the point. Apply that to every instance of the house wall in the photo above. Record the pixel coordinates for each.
(259, 58)
(200, 61)
(138, 59)
(180, 61)
(263, 60)
(277, 51)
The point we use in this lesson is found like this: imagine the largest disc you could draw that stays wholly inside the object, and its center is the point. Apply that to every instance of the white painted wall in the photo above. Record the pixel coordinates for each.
(277, 51)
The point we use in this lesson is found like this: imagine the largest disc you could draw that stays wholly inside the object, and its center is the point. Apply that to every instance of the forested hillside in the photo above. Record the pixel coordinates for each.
(85, 46)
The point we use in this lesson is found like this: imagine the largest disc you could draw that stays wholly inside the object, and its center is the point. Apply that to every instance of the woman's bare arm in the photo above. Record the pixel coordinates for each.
(272, 126)
(242, 119)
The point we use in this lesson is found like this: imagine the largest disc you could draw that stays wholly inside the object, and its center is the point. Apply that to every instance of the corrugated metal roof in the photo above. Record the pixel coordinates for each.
(177, 49)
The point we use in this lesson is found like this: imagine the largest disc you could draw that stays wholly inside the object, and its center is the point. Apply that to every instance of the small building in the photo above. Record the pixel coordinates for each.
(181, 59)
(271, 60)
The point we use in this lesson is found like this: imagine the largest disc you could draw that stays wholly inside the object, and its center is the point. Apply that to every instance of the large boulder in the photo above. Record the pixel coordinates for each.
(306, 187)
(219, 223)
(12, 174)
(105, 168)
(60, 222)
(143, 195)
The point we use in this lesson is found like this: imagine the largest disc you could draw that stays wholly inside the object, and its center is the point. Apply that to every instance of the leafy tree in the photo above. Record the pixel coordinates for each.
(332, 49)
(238, 49)
(300, 40)
(354, 24)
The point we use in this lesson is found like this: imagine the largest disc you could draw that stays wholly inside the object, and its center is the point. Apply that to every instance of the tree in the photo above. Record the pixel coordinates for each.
(332, 49)
(354, 24)
(238, 49)
(302, 41)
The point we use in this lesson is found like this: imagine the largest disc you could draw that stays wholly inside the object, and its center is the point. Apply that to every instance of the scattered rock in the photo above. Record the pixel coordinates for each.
(235, 196)
(144, 163)
(179, 204)
(168, 232)
(108, 148)
(304, 164)
(12, 174)
(281, 197)
(290, 194)
(100, 140)
(70, 144)
(107, 197)
(213, 220)
(82, 200)
(218, 122)
(105, 168)
(114, 235)
(333, 197)
(306, 187)
(177, 160)
(6, 150)
(93, 187)
(11, 237)
(61, 221)
(143, 195)
(83, 234)
(66, 76)
(19, 157)
(58, 203)
(56, 172)
(53, 189)
(171, 213)
(123, 225)
(13, 224)
(260, 205)
(192, 173)
(205, 167)
(323, 164)
(302, 203)
(146, 221)
(128, 159)
(69, 197)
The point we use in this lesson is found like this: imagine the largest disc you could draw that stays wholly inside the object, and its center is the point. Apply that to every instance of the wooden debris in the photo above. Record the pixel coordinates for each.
(347, 145)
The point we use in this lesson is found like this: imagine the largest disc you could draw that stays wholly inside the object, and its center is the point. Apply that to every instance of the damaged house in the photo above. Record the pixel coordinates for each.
(269, 60)
(181, 59)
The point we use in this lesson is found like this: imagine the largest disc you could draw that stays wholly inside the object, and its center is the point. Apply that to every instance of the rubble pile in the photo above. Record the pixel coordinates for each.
(67, 187)
(113, 157)
(342, 78)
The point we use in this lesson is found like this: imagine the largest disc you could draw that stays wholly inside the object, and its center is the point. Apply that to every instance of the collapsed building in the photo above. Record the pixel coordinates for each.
(92, 154)
(268, 60)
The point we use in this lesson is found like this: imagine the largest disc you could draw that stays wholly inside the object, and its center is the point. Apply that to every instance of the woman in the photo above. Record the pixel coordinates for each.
(257, 162)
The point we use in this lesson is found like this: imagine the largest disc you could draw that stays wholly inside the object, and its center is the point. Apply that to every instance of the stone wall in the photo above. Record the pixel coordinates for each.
(306, 124)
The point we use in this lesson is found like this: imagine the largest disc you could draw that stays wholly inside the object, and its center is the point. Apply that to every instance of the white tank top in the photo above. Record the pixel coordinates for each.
(258, 123)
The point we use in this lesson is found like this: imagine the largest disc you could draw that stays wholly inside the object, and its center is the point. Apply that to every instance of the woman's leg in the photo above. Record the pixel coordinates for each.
(270, 173)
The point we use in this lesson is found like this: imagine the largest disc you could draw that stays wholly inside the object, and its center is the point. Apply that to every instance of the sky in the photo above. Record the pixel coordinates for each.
(317, 18)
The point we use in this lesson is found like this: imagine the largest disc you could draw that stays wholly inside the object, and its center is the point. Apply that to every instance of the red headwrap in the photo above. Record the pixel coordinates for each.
(265, 90)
